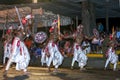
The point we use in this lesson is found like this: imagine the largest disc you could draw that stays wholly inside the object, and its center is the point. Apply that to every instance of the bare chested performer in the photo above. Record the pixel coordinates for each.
(19, 55)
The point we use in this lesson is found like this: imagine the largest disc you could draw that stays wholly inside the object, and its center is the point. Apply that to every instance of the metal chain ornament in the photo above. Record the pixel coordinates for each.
(40, 37)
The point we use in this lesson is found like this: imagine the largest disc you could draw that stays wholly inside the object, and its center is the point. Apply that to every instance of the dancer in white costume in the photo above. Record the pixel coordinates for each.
(52, 52)
(19, 55)
(112, 57)
(7, 38)
(54, 55)
(79, 56)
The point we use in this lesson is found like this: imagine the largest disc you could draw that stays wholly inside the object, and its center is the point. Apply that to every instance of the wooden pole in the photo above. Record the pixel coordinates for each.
(76, 21)
(34, 1)
(107, 20)
(58, 25)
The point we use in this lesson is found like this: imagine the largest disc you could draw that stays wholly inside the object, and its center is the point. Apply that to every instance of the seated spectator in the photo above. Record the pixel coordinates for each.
(96, 42)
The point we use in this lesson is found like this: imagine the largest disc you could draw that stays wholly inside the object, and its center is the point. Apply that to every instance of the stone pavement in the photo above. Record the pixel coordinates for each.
(41, 73)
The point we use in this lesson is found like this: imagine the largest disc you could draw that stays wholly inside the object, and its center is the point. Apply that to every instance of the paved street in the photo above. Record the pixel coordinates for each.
(41, 73)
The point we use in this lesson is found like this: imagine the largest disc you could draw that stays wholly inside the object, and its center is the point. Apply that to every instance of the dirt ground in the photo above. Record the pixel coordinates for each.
(41, 73)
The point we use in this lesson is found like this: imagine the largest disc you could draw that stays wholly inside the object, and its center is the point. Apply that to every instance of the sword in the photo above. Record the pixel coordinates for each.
(21, 25)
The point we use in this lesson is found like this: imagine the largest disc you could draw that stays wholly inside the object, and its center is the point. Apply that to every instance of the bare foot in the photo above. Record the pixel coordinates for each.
(5, 74)
(49, 69)
(26, 73)
(105, 68)
(55, 70)
(71, 67)
(82, 69)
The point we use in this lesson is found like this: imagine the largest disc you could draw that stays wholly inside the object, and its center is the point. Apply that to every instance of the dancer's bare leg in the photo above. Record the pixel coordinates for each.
(49, 69)
(7, 67)
(56, 68)
(106, 64)
(73, 61)
(114, 68)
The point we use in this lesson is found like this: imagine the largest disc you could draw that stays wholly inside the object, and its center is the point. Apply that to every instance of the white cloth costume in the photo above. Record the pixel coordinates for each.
(43, 57)
(7, 51)
(87, 47)
(55, 55)
(24, 58)
(111, 57)
(19, 55)
(79, 56)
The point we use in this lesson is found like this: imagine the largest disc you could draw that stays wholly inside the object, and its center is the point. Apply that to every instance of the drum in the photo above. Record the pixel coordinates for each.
(40, 37)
